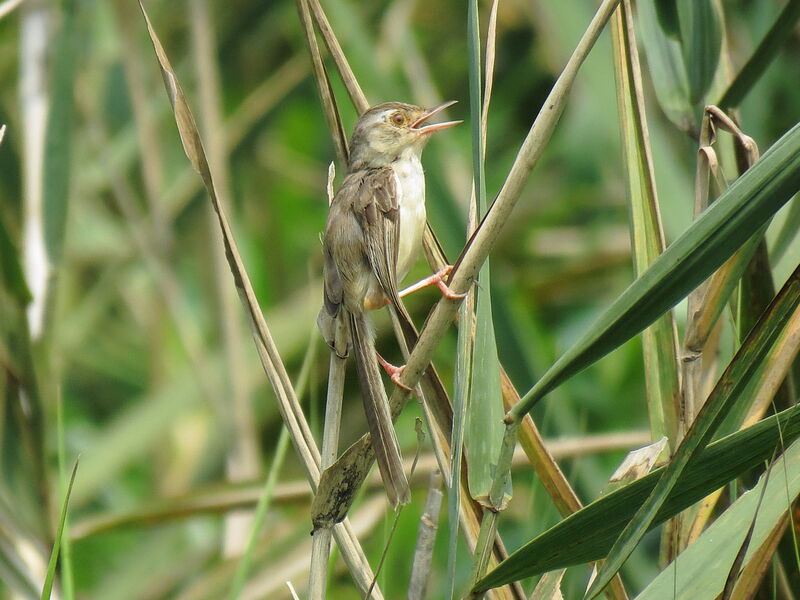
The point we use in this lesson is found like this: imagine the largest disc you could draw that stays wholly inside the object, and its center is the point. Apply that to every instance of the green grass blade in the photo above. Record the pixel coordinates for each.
(700, 572)
(50, 575)
(763, 55)
(738, 213)
(56, 186)
(485, 414)
(484, 427)
(67, 578)
(659, 341)
(701, 42)
(588, 534)
(756, 351)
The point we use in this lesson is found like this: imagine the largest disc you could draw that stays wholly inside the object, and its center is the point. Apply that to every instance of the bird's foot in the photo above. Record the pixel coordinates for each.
(436, 279)
(395, 373)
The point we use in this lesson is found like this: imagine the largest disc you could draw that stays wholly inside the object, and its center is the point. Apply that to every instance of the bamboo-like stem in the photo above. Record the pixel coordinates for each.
(351, 84)
(426, 538)
(481, 243)
(432, 389)
(268, 353)
(327, 98)
(321, 543)
(484, 238)
(697, 329)
(705, 304)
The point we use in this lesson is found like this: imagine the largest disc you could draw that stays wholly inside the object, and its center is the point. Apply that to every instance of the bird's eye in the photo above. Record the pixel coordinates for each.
(398, 118)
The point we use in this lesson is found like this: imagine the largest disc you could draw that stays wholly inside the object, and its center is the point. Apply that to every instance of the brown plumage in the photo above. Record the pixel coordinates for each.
(371, 239)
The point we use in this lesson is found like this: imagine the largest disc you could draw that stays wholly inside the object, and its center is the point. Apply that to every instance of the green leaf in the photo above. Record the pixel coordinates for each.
(659, 342)
(769, 336)
(485, 415)
(736, 215)
(665, 65)
(588, 534)
(701, 42)
(47, 588)
(700, 572)
(484, 426)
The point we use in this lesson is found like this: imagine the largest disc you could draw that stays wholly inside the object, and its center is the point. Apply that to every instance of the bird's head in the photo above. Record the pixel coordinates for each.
(392, 130)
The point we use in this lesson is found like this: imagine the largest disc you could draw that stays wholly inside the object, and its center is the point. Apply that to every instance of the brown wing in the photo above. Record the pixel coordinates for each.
(345, 264)
(361, 243)
(378, 213)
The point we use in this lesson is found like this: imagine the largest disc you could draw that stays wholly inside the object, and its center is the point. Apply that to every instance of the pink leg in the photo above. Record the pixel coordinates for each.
(436, 279)
(394, 373)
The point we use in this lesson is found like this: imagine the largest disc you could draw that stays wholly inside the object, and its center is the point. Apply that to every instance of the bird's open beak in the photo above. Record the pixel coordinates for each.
(417, 125)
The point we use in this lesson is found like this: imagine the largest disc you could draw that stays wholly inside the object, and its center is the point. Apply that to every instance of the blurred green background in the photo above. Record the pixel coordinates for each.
(143, 340)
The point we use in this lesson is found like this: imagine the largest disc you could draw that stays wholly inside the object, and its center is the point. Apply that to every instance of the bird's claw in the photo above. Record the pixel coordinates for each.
(436, 279)
(395, 373)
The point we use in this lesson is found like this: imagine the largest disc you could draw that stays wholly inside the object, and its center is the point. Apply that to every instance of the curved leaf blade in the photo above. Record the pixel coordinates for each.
(700, 572)
(588, 534)
(713, 238)
(778, 323)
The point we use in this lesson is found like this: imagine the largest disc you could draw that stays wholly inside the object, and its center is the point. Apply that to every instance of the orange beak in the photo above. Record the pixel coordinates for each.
(417, 125)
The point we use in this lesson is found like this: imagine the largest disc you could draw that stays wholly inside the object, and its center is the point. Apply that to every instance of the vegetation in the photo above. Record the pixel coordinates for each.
(630, 168)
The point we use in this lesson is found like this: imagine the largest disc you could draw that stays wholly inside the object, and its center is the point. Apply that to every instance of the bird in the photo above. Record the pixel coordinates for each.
(372, 238)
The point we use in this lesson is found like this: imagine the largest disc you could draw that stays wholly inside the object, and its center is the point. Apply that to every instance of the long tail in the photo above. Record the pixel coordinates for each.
(376, 407)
